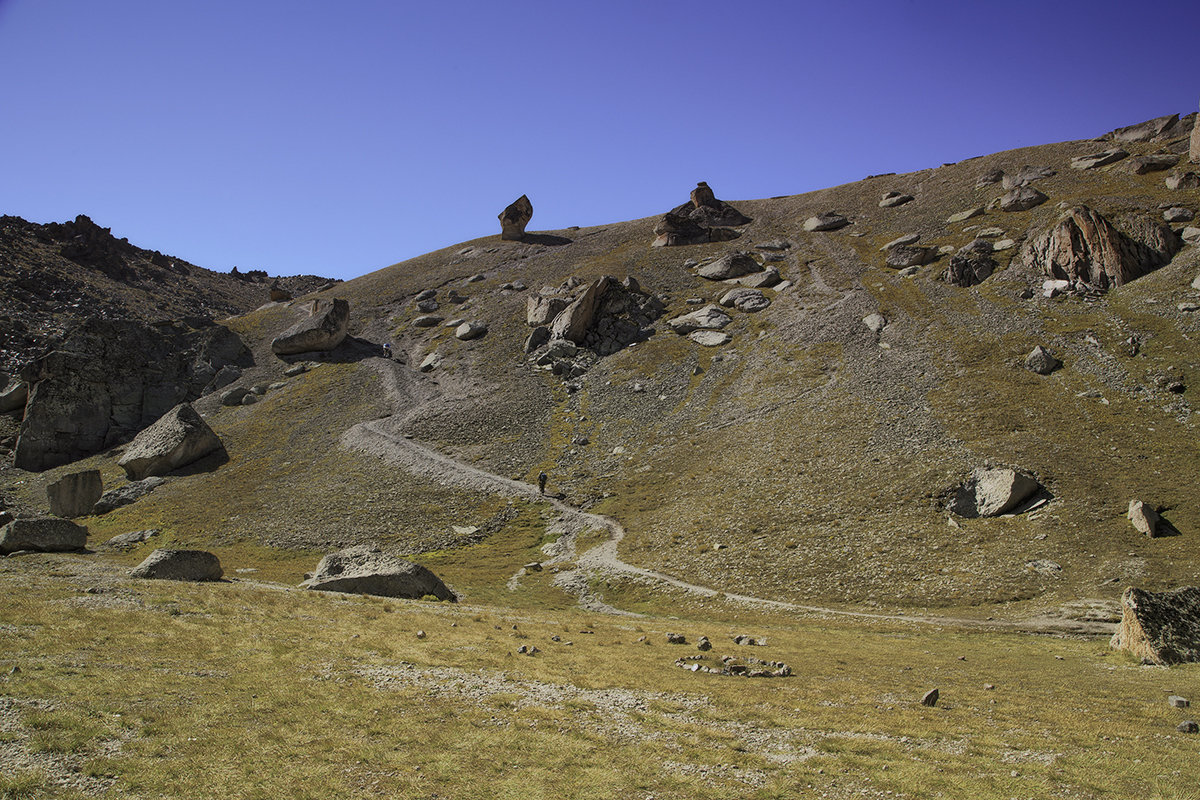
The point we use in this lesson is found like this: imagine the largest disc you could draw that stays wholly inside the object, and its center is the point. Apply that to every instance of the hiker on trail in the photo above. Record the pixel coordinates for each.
(542, 482)
(387, 349)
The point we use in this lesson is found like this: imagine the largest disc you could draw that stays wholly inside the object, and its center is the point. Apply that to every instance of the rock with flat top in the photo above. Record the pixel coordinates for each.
(514, 218)
(1101, 159)
(42, 534)
(74, 495)
(1025, 176)
(323, 329)
(906, 239)
(745, 299)
(904, 256)
(992, 492)
(1160, 627)
(893, 199)
(367, 569)
(731, 265)
(711, 317)
(1146, 131)
(829, 221)
(1178, 214)
(1140, 165)
(178, 438)
(169, 564)
(710, 338)
(963, 216)
(1022, 198)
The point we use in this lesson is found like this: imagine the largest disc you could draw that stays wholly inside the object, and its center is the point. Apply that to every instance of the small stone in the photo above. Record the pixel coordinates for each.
(1178, 702)
(829, 221)
(1188, 726)
(930, 698)
(420, 634)
(676, 638)
(1041, 361)
(874, 322)
(908, 238)
(704, 644)
(1178, 214)
(893, 199)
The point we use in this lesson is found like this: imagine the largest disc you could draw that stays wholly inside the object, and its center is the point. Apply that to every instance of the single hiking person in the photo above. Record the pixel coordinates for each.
(542, 482)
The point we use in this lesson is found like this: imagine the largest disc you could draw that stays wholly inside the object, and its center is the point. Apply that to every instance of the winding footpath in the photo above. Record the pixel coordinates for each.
(373, 437)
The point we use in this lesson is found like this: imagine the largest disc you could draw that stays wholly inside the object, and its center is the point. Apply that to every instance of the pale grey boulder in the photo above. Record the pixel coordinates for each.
(711, 317)
(130, 540)
(992, 492)
(963, 216)
(1183, 180)
(731, 265)
(1178, 214)
(1101, 159)
(893, 199)
(829, 221)
(42, 534)
(323, 329)
(179, 565)
(1025, 175)
(904, 255)
(706, 338)
(542, 309)
(180, 437)
(470, 330)
(745, 299)
(1144, 131)
(1160, 627)
(1041, 361)
(1022, 198)
(1141, 165)
(74, 495)
(1147, 521)
(574, 321)
(367, 569)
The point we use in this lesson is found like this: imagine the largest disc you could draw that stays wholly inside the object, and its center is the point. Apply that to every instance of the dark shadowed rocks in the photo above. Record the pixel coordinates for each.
(514, 218)
(990, 492)
(1160, 627)
(179, 565)
(74, 495)
(702, 219)
(178, 438)
(705, 209)
(109, 379)
(13, 396)
(42, 534)
(124, 495)
(323, 329)
(367, 569)
(971, 265)
(1084, 248)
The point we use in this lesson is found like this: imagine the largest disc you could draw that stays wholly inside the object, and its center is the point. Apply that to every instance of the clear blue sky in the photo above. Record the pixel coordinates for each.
(338, 138)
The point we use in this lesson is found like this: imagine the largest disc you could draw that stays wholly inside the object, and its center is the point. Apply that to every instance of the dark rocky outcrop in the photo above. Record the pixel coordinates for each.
(179, 565)
(13, 396)
(178, 438)
(323, 330)
(514, 218)
(971, 265)
(74, 495)
(367, 569)
(1087, 250)
(124, 495)
(109, 379)
(607, 315)
(43, 534)
(701, 220)
(1160, 627)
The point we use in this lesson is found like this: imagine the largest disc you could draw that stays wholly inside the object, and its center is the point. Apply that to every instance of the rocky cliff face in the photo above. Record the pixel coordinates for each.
(109, 379)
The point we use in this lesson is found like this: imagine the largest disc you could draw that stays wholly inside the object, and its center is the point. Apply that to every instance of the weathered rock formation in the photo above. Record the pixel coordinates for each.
(179, 565)
(1147, 131)
(893, 199)
(1083, 247)
(1022, 198)
(367, 569)
(1025, 176)
(323, 330)
(745, 299)
(905, 255)
(1101, 159)
(514, 218)
(109, 379)
(991, 492)
(470, 330)
(43, 534)
(711, 317)
(701, 220)
(1157, 162)
(177, 439)
(13, 396)
(971, 265)
(124, 495)
(606, 316)
(74, 495)
(1160, 627)
(829, 221)
(541, 309)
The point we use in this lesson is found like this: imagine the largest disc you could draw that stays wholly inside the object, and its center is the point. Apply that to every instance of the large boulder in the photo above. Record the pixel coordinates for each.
(178, 438)
(127, 494)
(1144, 131)
(904, 256)
(1084, 248)
(990, 492)
(1160, 627)
(731, 265)
(179, 565)
(367, 569)
(711, 317)
(13, 396)
(573, 322)
(43, 534)
(1101, 159)
(829, 221)
(1024, 176)
(745, 299)
(323, 329)
(1157, 162)
(109, 379)
(541, 309)
(514, 218)
(1022, 198)
(702, 219)
(74, 495)
(1147, 521)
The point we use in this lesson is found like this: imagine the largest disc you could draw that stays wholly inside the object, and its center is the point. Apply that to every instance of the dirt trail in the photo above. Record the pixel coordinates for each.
(373, 437)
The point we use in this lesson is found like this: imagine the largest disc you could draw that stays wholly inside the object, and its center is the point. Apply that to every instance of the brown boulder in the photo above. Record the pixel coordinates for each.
(1083, 247)
(1160, 627)
(514, 218)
